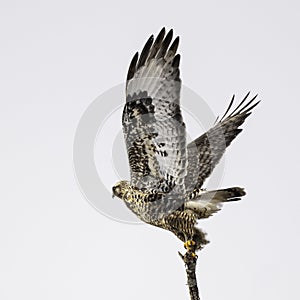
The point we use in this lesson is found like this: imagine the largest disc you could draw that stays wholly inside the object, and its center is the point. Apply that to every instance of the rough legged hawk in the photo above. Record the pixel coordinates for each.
(167, 174)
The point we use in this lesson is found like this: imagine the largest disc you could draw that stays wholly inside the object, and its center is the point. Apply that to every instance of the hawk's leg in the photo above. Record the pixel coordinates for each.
(182, 224)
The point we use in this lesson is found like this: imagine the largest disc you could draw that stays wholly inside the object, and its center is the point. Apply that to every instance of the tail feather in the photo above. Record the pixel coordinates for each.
(210, 202)
(223, 195)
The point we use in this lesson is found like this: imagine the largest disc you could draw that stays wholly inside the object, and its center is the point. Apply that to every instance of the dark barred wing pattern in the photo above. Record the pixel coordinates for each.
(152, 122)
(205, 152)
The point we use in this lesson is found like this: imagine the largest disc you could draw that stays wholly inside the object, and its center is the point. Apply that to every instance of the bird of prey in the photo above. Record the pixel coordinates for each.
(166, 172)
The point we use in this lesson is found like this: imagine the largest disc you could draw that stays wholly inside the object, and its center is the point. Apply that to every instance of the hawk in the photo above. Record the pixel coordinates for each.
(166, 172)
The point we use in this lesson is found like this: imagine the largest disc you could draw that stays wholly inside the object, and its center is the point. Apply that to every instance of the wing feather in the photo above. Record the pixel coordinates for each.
(205, 152)
(153, 127)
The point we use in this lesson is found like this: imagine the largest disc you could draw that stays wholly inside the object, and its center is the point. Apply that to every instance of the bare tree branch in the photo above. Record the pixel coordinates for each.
(190, 261)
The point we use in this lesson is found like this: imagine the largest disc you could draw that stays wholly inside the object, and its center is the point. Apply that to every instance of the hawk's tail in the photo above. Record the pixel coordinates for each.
(209, 202)
(223, 195)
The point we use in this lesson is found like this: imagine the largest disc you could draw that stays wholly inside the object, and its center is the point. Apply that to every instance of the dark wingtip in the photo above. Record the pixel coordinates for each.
(244, 110)
(176, 61)
(228, 108)
(145, 52)
(132, 66)
(216, 121)
(247, 95)
(251, 107)
(165, 44)
(157, 43)
(236, 111)
(162, 31)
(151, 38)
(173, 48)
(255, 97)
(169, 37)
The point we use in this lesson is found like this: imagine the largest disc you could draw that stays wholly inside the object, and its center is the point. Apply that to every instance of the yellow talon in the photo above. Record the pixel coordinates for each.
(189, 244)
(194, 255)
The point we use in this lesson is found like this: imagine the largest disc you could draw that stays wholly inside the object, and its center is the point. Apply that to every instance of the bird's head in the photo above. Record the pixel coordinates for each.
(120, 189)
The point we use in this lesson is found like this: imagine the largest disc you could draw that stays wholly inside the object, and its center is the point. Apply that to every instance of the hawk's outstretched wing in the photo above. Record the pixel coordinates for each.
(205, 152)
(152, 123)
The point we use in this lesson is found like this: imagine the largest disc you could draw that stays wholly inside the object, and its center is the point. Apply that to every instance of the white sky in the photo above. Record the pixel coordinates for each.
(56, 58)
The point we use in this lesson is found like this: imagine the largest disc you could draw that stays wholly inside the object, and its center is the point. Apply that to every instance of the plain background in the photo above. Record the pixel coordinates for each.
(56, 57)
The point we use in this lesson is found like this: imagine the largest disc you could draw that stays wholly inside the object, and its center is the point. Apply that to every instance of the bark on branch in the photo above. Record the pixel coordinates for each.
(190, 261)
